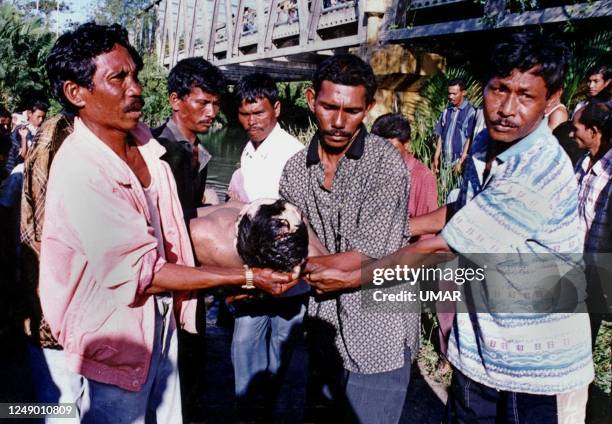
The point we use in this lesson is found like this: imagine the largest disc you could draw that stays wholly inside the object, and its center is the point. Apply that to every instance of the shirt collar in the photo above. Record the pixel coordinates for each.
(355, 151)
(602, 167)
(462, 106)
(173, 131)
(268, 143)
(530, 140)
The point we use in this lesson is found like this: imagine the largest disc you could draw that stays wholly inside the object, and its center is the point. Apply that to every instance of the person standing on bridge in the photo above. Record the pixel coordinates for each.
(195, 88)
(264, 330)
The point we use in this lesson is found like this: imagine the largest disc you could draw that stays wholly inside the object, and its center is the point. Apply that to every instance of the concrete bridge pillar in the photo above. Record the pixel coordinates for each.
(375, 11)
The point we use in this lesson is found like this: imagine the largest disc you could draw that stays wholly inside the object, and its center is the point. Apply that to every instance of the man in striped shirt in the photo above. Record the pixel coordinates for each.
(592, 131)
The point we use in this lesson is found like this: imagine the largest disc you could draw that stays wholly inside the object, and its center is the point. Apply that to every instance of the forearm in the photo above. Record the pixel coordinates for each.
(431, 223)
(173, 277)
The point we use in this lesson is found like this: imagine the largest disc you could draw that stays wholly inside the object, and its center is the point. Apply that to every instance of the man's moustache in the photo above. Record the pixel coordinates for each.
(135, 106)
(337, 133)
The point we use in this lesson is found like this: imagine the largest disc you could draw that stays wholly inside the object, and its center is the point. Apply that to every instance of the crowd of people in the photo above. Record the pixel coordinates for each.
(117, 242)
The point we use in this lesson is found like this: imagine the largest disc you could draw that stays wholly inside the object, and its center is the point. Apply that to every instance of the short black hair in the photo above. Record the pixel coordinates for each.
(598, 114)
(346, 69)
(196, 72)
(526, 50)
(457, 81)
(604, 70)
(265, 241)
(39, 105)
(72, 56)
(392, 125)
(256, 86)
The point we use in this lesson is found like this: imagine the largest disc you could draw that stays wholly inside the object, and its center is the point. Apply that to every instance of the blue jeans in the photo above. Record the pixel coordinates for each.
(265, 333)
(158, 401)
(52, 380)
(473, 402)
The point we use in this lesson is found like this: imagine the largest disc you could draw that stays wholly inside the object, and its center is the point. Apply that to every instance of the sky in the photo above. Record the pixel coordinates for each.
(79, 12)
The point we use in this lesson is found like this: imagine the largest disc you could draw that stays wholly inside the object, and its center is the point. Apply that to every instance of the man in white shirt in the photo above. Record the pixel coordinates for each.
(264, 330)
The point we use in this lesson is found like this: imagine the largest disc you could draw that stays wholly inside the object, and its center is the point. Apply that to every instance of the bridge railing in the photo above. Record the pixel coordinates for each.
(202, 28)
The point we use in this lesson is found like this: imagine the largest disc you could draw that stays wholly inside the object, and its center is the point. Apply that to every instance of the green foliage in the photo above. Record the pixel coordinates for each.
(24, 46)
(602, 357)
(135, 15)
(585, 54)
(294, 111)
(154, 91)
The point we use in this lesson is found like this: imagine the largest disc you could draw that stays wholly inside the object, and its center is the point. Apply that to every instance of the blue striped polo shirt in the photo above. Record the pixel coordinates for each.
(525, 211)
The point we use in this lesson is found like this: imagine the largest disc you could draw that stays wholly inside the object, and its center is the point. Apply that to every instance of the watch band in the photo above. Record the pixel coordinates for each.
(248, 276)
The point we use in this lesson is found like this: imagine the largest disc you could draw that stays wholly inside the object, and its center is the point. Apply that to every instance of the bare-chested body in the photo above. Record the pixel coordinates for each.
(213, 234)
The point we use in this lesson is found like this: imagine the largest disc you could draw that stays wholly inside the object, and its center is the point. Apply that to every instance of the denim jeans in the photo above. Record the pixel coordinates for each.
(158, 401)
(473, 402)
(265, 333)
(52, 380)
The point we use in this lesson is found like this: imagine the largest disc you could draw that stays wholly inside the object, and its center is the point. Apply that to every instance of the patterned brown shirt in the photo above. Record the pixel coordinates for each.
(36, 174)
(365, 211)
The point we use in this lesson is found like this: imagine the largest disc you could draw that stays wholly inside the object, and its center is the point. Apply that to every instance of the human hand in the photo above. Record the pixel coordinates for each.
(435, 167)
(458, 167)
(273, 282)
(23, 132)
(326, 279)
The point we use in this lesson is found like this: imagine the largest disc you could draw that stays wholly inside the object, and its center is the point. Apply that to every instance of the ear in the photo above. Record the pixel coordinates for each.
(174, 100)
(74, 93)
(370, 106)
(552, 101)
(277, 108)
(310, 98)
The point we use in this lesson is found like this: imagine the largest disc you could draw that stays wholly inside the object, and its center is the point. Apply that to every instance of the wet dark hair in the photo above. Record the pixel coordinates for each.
(598, 114)
(604, 70)
(392, 125)
(265, 242)
(256, 86)
(39, 105)
(72, 56)
(346, 69)
(457, 81)
(527, 50)
(196, 72)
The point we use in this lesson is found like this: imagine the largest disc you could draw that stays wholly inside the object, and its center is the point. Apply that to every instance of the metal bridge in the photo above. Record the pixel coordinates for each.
(287, 38)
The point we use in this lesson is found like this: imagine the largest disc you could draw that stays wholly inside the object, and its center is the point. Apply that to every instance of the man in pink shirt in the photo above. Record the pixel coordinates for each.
(423, 196)
(116, 263)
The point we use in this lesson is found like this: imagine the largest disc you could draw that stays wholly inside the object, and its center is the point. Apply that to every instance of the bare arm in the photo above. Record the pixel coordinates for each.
(426, 252)
(558, 117)
(431, 223)
(173, 277)
(436, 160)
(464, 154)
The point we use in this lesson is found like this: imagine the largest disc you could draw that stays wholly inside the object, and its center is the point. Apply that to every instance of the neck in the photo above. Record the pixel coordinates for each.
(116, 140)
(599, 151)
(189, 135)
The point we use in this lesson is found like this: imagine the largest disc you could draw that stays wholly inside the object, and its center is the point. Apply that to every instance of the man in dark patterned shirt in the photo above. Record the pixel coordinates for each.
(353, 188)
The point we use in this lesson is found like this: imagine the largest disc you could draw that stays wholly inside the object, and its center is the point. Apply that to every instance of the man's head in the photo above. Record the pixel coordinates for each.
(341, 96)
(456, 92)
(259, 108)
(5, 120)
(37, 113)
(525, 78)
(195, 88)
(598, 81)
(93, 72)
(592, 126)
(271, 234)
(395, 128)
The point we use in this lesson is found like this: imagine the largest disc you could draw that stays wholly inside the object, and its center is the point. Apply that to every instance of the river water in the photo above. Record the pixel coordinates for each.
(225, 146)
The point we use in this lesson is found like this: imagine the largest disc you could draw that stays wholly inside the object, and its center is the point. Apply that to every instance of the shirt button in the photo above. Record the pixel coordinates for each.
(135, 383)
(138, 369)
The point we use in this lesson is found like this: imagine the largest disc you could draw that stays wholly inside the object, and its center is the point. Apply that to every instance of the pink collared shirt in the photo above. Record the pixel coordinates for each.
(99, 254)
(423, 192)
